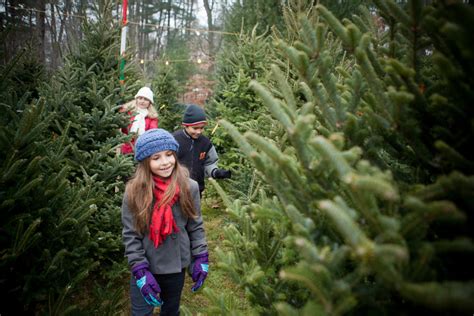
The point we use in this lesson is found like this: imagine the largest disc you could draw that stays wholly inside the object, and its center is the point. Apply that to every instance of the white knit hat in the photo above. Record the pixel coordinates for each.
(146, 93)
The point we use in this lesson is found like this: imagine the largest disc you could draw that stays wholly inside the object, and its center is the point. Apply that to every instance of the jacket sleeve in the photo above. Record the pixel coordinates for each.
(211, 161)
(132, 241)
(153, 123)
(195, 226)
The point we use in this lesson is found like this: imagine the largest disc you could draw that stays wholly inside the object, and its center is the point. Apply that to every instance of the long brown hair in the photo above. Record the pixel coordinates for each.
(139, 192)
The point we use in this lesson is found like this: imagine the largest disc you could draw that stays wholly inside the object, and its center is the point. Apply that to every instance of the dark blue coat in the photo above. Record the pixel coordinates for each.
(198, 155)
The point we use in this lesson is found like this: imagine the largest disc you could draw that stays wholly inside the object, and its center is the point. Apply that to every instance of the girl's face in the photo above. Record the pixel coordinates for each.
(195, 130)
(143, 103)
(162, 163)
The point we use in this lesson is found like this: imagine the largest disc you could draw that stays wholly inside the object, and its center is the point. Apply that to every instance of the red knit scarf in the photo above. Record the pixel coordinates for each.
(162, 220)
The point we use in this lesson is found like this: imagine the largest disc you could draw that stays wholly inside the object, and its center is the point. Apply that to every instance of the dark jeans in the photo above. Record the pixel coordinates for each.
(171, 287)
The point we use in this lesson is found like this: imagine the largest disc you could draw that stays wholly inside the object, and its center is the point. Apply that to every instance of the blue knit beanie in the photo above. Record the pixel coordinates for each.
(153, 141)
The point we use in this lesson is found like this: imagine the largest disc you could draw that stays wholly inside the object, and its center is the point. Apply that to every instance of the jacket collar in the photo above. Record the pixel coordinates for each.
(189, 136)
(186, 134)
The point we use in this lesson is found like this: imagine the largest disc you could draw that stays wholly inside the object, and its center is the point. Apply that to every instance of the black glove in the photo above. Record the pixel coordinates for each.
(221, 174)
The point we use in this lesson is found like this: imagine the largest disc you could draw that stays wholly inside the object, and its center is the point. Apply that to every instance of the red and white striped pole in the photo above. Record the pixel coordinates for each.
(123, 41)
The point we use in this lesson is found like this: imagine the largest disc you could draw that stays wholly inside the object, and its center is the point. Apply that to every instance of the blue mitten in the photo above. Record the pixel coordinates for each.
(200, 269)
(147, 284)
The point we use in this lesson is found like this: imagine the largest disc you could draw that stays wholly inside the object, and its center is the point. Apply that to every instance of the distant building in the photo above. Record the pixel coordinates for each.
(199, 89)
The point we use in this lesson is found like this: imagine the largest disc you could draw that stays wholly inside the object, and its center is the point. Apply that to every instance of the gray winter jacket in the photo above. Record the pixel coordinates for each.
(174, 254)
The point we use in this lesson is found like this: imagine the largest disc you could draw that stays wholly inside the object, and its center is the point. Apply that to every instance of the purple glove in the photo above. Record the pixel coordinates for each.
(147, 284)
(200, 268)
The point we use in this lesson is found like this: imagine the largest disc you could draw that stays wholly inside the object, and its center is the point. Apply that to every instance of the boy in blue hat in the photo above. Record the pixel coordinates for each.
(196, 151)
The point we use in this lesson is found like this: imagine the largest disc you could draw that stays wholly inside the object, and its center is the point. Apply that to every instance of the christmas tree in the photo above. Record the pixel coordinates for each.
(87, 96)
(244, 58)
(62, 179)
(45, 238)
(372, 185)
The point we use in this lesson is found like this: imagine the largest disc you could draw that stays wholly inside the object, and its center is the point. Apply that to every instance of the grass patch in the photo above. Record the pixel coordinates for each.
(218, 286)
(219, 291)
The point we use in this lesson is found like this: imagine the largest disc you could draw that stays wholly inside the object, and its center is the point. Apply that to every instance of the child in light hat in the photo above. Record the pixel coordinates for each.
(163, 231)
(143, 116)
(196, 151)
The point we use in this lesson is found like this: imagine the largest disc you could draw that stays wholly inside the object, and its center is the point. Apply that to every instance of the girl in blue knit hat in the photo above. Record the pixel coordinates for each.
(163, 231)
